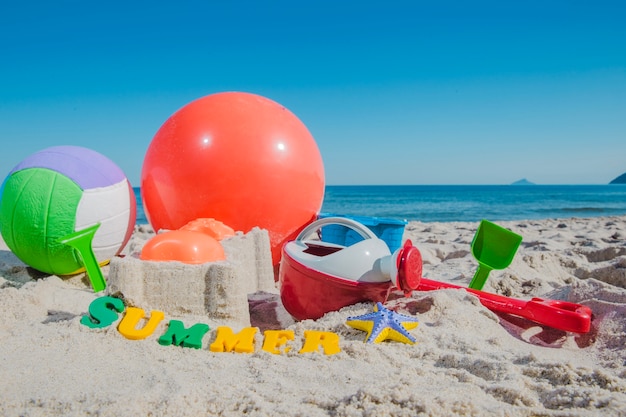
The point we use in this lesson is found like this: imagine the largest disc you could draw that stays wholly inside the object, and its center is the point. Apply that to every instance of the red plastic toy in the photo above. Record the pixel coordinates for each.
(238, 158)
(562, 315)
(318, 277)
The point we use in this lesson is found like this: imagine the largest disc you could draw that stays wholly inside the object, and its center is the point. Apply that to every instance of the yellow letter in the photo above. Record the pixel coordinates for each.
(313, 339)
(276, 338)
(226, 340)
(131, 319)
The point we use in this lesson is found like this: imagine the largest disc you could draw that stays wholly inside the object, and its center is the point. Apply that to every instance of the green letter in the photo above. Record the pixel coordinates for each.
(178, 335)
(102, 312)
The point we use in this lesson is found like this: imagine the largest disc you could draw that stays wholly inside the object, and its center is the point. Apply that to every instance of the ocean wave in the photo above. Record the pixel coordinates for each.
(575, 210)
(466, 203)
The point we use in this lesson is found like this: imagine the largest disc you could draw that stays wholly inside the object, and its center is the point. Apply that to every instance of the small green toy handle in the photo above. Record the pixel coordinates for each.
(480, 277)
(362, 230)
(81, 241)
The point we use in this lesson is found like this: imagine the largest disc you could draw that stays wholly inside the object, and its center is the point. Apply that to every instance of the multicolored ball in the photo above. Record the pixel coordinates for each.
(61, 190)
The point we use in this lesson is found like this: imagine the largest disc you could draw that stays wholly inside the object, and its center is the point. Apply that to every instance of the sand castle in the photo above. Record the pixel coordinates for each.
(217, 290)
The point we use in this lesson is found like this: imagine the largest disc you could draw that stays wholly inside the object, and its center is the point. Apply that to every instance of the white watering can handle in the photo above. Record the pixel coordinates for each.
(363, 231)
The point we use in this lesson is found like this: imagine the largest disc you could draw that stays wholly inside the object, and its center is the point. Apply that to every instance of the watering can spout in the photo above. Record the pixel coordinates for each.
(403, 267)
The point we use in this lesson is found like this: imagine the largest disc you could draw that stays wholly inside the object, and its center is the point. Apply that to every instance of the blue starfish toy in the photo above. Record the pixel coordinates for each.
(384, 324)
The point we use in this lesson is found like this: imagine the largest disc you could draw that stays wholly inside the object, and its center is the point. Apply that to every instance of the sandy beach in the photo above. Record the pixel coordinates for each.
(467, 361)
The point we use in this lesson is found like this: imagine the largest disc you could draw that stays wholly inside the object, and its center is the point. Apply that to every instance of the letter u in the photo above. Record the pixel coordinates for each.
(127, 326)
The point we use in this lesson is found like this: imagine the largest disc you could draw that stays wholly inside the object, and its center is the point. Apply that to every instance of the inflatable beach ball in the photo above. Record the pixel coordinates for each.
(239, 158)
(58, 191)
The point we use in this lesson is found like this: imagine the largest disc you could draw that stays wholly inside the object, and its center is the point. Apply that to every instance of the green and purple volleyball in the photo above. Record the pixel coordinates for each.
(58, 191)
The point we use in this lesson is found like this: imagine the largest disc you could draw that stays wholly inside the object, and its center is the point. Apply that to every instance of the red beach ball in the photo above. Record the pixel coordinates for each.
(236, 157)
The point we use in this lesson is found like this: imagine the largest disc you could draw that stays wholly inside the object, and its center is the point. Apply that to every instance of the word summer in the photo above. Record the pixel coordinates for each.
(103, 312)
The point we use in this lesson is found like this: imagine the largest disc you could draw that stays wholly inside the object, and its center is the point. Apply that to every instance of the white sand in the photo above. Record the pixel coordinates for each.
(468, 360)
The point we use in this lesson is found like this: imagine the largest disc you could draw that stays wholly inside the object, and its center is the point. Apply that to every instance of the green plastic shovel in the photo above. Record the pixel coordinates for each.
(494, 248)
(81, 241)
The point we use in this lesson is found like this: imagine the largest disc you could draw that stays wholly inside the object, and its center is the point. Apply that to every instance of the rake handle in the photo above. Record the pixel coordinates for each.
(562, 315)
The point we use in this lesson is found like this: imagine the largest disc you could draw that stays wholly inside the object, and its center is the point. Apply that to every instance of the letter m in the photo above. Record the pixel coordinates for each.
(178, 335)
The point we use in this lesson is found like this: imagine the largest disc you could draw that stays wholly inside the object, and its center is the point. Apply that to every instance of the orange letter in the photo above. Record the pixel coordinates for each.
(313, 339)
(276, 338)
(127, 326)
(226, 340)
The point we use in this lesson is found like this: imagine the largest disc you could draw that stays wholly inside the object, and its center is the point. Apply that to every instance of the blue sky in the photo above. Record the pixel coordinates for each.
(415, 92)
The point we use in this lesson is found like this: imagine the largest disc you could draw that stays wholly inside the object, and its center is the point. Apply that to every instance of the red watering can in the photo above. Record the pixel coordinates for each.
(318, 277)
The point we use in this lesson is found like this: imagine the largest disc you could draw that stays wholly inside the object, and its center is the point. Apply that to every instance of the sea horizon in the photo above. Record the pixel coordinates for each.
(450, 203)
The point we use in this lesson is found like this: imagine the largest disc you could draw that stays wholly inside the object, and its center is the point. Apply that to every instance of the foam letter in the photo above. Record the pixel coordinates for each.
(127, 326)
(226, 340)
(178, 335)
(276, 338)
(313, 339)
(102, 312)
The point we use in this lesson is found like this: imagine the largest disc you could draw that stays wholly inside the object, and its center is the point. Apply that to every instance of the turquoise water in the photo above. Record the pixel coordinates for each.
(444, 203)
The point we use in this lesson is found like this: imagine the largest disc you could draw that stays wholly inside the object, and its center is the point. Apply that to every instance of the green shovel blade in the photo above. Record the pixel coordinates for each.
(493, 247)
(81, 241)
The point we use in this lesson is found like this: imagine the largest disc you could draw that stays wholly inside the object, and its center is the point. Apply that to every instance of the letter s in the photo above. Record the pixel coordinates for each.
(102, 312)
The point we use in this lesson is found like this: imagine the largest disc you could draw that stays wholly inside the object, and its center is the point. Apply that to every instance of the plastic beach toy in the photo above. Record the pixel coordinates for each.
(214, 228)
(237, 157)
(493, 247)
(317, 277)
(185, 246)
(389, 230)
(82, 241)
(562, 315)
(196, 242)
(59, 191)
(383, 324)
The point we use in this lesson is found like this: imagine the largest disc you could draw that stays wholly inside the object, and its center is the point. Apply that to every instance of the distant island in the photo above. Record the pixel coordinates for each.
(523, 181)
(619, 180)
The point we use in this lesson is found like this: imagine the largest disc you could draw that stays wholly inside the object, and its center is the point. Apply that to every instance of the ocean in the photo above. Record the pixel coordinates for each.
(446, 203)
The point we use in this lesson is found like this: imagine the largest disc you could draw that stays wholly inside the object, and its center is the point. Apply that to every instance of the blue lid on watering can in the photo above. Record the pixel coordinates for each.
(389, 230)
